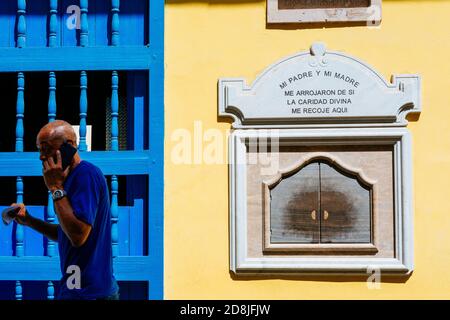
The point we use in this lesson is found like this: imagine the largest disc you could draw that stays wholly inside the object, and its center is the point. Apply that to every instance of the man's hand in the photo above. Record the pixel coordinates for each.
(25, 219)
(22, 217)
(54, 175)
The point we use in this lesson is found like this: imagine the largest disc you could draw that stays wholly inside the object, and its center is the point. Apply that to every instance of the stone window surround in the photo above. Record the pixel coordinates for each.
(401, 264)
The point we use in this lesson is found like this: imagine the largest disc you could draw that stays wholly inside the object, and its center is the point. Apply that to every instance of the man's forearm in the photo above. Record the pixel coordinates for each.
(47, 229)
(76, 230)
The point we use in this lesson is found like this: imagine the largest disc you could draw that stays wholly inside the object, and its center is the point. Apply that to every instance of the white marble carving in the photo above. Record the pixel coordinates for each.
(319, 86)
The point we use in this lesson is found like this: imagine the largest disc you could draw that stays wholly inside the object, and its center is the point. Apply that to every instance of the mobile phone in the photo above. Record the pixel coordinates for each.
(67, 153)
(9, 214)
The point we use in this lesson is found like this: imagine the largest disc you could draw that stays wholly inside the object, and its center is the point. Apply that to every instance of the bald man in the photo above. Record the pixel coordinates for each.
(81, 201)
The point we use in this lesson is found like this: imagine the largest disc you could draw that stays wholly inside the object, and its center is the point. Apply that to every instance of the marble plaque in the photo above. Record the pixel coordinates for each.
(318, 87)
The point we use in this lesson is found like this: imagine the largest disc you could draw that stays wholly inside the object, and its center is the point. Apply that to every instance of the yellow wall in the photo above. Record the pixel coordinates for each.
(206, 40)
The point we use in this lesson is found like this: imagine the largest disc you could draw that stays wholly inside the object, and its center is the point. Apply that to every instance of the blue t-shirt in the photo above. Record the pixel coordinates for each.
(88, 194)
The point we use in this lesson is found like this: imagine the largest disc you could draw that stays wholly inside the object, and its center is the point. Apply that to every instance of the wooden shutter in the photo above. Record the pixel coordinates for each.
(295, 207)
(345, 207)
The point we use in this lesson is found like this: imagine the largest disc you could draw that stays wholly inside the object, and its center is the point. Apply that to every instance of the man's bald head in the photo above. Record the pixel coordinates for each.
(58, 130)
(52, 136)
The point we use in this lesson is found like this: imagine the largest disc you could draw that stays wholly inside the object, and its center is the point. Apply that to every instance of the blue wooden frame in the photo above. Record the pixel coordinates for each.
(78, 58)
(149, 162)
(156, 147)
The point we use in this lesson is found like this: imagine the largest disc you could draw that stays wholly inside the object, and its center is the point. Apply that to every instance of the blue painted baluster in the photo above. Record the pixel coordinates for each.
(19, 148)
(19, 229)
(20, 109)
(53, 23)
(18, 290)
(115, 112)
(114, 147)
(51, 117)
(19, 235)
(84, 42)
(51, 96)
(83, 110)
(84, 27)
(51, 245)
(50, 291)
(114, 216)
(21, 23)
(115, 9)
(115, 78)
(115, 39)
(52, 42)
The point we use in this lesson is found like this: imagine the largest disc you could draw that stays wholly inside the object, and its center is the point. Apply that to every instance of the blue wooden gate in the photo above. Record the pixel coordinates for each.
(99, 64)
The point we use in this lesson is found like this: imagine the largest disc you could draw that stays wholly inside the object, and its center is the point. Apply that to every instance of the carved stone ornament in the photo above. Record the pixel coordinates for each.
(319, 86)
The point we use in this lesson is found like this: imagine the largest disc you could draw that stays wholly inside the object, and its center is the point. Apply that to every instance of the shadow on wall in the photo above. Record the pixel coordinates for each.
(324, 278)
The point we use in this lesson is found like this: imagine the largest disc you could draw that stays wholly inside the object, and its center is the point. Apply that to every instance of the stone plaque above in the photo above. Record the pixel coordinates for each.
(307, 11)
(316, 88)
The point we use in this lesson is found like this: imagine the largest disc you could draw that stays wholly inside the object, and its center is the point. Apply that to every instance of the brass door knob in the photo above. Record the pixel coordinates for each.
(325, 215)
(313, 214)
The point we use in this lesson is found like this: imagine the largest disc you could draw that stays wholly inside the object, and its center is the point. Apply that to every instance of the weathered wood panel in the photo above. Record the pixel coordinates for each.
(345, 207)
(295, 207)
